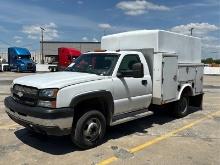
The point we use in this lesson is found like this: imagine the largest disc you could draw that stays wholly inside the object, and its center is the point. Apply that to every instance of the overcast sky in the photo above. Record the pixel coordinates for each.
(88, 20)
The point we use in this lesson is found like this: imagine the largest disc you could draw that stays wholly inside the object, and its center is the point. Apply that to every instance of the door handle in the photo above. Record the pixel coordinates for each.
(144, 82)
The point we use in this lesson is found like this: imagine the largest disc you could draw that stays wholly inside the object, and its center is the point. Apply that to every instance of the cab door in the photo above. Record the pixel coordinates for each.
(131, 93)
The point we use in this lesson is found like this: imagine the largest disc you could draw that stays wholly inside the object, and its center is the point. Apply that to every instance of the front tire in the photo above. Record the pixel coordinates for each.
(89, 130)
(18, 70)
(181, 107)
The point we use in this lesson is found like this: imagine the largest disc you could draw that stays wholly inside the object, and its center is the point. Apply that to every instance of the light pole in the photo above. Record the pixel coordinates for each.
(42, 45)
(191, 31)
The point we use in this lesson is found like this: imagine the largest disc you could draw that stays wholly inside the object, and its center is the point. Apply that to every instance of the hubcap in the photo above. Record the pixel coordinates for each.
(92, 129)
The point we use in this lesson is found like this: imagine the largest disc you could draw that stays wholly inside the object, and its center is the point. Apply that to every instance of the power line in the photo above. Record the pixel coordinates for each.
(7, 43)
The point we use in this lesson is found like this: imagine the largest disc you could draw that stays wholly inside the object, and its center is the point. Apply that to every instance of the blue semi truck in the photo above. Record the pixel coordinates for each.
(19, 59)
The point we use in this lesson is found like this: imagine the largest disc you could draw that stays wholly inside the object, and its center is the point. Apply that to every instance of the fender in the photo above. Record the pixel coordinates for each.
(104, 95)
(182, 88)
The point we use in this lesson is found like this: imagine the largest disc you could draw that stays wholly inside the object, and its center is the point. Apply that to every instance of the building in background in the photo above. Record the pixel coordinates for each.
(50, 48)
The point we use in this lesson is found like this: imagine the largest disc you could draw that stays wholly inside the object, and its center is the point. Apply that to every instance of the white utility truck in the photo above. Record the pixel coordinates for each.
(133, 72)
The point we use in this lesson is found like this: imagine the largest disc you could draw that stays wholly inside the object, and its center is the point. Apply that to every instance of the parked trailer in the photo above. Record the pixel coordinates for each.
(64, 59)
(137, 71)
(4, 66)
(19, 59)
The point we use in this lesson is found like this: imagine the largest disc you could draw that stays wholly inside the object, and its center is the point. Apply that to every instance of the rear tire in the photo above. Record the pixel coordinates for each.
(89, 130)
(181, 107)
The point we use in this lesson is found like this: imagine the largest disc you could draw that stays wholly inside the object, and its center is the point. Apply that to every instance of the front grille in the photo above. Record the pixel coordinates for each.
(29, 64)
(29, 68)
(25, 95)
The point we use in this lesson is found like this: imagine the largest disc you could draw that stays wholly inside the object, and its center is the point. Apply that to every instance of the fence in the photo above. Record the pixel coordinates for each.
(212, 70)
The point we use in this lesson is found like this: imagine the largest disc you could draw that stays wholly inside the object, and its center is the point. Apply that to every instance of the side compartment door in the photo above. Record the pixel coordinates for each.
(199, 79)
(169, 77)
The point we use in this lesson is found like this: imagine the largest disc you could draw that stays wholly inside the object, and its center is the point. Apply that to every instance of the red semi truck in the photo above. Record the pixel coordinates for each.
(65, 57)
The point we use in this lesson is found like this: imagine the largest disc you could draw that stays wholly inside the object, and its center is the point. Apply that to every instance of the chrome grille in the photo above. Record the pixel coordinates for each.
(24, 94)
(29, 66)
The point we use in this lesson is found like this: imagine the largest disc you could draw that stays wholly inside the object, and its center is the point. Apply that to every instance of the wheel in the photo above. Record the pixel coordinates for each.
(181, 107)
(18, 70)
(89, 130)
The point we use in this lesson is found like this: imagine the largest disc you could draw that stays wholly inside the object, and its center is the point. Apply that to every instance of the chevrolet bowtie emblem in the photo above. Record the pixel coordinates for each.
(20, 94)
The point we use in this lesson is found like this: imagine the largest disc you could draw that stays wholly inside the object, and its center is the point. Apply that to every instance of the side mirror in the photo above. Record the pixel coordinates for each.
(119, 75)
(138, 70)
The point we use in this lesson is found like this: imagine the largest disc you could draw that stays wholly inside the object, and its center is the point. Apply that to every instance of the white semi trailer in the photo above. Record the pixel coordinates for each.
(134, 72)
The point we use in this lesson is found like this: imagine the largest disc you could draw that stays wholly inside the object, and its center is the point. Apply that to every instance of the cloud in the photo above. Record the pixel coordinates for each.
(211, 46)
(79, 2)
(95, 40)
(22, 16)
(85, 39)
(18, 39)
(104, 26)
(2, 29)
(206, 31)
(197, 4)
(34, 31)
(211, 50)
(3, 46)
(200, 29)
(210, 38)
(139, 7)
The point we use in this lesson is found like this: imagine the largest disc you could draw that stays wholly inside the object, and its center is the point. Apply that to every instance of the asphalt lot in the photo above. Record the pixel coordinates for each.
(156, 139)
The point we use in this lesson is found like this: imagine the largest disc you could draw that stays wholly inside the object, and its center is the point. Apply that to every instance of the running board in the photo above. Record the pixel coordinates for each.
(122, 118)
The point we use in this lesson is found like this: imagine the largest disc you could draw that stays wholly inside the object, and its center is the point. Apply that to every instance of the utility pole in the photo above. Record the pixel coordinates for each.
(191, 31)
(105, 31)
(42, 45)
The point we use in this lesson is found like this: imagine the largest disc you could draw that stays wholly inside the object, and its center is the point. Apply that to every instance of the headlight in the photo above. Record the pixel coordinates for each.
(11, 86)
(48, 93)
(22, 64)
(47, 98)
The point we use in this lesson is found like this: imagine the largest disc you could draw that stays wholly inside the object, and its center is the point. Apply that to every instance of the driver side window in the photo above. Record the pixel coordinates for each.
(127, 62)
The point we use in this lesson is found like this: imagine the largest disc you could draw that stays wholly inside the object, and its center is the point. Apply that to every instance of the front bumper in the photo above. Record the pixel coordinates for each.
(44, 120)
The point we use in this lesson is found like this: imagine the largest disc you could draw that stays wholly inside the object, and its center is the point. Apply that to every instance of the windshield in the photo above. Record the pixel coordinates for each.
(100, 63)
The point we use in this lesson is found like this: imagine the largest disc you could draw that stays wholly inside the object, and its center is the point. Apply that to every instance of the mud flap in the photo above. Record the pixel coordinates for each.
(196, 101)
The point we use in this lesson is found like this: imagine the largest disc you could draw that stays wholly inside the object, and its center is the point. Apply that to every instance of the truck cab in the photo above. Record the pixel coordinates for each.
(19, 59)
(65, 57)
